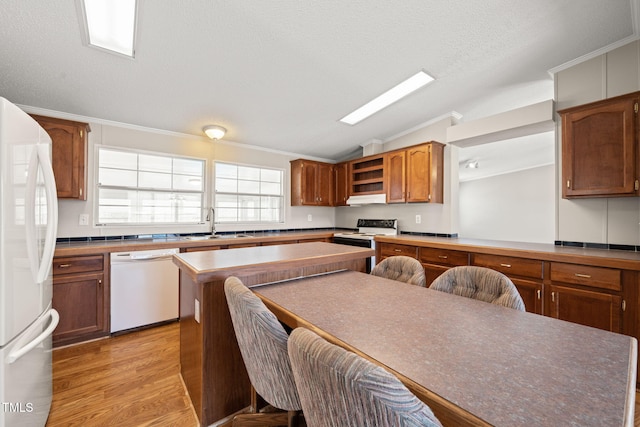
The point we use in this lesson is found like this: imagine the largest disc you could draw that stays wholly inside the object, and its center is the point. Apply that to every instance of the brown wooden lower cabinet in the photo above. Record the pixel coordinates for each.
(526, 274)
(392, 249)
(578, 293)
(81, 297)
(436, 261)
(531, 292)
(586, 307)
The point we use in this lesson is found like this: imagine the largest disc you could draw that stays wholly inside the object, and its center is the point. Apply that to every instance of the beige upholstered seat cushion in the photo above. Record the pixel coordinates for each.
(401, 268)
(479, 283)
(263, 345)
(340, 388)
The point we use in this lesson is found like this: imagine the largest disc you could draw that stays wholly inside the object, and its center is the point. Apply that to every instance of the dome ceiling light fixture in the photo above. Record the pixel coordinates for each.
(472, 164)
(214, 132)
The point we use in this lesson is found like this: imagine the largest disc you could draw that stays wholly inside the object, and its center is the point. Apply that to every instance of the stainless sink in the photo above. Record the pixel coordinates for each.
(200, 237)
(217, 236)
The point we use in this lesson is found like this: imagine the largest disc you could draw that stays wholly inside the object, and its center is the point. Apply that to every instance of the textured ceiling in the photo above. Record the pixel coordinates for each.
(280, 73)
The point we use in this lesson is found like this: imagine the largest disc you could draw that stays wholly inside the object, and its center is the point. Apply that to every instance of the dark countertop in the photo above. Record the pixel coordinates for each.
(629, 260)
(122, 245)
(468, 357)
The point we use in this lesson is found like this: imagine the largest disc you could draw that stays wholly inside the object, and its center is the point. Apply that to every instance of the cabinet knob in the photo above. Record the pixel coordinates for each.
(583, 276)
(505, 265)
(553, 297)
(539, 294)
(443, 256)
(64, 265)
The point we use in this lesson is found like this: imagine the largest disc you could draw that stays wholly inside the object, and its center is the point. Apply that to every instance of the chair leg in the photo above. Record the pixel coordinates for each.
(261, 419)
(293, 418)
(255, 418)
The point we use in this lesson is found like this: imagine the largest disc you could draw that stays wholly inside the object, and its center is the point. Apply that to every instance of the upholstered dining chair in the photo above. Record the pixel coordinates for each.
(479, 283)
(341, 388)
(263, 345)
(401, 268)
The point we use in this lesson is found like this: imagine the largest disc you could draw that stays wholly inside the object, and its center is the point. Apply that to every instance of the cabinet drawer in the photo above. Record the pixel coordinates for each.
(443, 257)
(391, 249)
(597, 277)
(510, 265)
(79, 264)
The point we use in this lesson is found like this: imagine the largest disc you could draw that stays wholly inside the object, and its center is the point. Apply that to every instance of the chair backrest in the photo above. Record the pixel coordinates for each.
(263, 345)
(401, 268)
(340, 388)
(479, 283)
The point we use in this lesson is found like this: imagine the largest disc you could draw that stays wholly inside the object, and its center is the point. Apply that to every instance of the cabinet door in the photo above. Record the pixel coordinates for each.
(324, 187)
(599, 148)
(418, 174)
(596, 309)
(80, 301)
(424, 173)
(309, 173)
(432, 271)
(531, 293)
(68, 155)
(340, 173)
(396, 172)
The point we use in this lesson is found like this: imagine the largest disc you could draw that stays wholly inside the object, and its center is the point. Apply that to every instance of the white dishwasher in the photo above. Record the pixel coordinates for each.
(144, 288)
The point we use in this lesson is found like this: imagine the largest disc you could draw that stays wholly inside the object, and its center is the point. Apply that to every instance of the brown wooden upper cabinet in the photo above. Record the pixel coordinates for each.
(396, 177)
(68, 155)
(367, 175)
(311, 183)
(600, 148)
(415, 174)
(341, 182)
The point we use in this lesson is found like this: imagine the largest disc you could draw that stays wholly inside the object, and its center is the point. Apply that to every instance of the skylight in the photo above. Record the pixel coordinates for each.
(394, 94)
(111, 24)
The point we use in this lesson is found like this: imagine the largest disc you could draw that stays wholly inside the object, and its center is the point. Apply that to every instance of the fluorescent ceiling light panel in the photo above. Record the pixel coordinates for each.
(111, 24)
(394, 94)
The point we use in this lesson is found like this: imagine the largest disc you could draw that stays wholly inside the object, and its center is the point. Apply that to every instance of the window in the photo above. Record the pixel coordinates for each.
(248, 194)
(144, 188)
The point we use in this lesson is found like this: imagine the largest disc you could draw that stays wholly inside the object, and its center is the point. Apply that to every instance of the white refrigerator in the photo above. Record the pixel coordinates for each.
(28, 227)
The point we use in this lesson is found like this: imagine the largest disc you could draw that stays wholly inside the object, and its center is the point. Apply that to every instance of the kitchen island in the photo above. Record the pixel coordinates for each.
(210, 361)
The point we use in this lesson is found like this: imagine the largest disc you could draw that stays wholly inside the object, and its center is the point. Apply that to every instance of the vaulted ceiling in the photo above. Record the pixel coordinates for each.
(281, 73)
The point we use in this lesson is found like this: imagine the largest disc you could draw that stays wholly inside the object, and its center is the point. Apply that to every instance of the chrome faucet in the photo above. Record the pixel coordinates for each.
(211, 218)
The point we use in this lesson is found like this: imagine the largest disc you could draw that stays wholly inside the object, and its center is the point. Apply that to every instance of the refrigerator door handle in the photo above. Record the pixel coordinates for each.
(41, 267)
(23, 349)
(52, 212)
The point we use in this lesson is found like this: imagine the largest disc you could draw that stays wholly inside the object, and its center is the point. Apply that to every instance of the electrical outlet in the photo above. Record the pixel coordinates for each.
(309, 217)
(418, 219)
(83, 219)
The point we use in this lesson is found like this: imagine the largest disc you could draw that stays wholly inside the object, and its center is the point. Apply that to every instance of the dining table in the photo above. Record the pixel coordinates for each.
(471, 362)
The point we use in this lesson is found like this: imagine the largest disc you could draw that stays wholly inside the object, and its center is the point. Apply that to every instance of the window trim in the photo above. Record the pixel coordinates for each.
(283, 194)
(97, 186)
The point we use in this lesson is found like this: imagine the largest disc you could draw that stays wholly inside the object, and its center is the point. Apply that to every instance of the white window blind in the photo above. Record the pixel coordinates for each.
(143, 188)
(248, 194)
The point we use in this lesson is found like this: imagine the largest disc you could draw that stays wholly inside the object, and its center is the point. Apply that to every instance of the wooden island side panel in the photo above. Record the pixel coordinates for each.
(211, 363)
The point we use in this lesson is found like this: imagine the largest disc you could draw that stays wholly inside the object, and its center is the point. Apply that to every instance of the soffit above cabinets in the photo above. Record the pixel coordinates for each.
(524, 121)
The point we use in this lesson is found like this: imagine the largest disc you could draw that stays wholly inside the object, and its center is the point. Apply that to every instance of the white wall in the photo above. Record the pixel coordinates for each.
(188, 145)
(516, 206)
(598, 220)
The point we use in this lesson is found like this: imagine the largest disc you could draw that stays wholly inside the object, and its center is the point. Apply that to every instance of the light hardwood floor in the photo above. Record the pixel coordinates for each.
(130, 380)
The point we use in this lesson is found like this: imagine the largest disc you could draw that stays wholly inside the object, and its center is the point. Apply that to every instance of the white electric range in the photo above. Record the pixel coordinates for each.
(364, 237)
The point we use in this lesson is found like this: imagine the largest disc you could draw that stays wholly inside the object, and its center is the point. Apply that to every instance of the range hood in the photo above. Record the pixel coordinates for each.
(367, 199)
